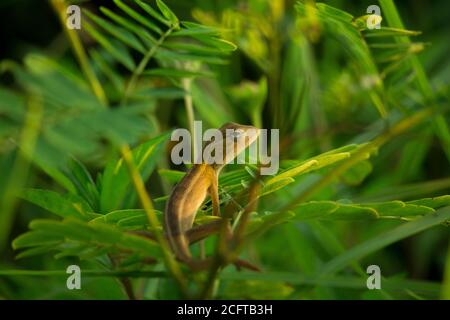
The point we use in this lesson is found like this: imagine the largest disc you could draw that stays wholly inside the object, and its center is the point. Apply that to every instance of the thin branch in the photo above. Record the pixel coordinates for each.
(128, 288)
(141, 67)
(85, 273)
(21, 166)
(224, 254)
(187, 84)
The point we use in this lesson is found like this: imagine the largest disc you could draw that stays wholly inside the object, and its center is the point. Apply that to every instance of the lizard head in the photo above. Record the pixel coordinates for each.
(235, 138)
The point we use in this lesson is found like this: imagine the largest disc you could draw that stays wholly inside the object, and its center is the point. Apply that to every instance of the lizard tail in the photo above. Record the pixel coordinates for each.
(180, 247)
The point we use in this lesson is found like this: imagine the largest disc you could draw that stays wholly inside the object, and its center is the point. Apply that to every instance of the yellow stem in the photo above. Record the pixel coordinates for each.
(147, 205)
(60, 7)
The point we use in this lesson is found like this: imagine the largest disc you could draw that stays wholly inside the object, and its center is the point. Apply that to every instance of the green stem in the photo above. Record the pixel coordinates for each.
(445, 295)
(141, 67)
(189, 111)
(85, 273)
(20, 168)
(274, 81)
(440, 126)
(394, 284)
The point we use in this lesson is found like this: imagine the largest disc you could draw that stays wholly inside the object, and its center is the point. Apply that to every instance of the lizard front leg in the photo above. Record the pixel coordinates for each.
(214, 193)
(216, 225)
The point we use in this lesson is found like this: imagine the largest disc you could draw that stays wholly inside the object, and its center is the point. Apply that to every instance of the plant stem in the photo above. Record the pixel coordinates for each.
(126, 283)
(189, 111)
(85, 273)
(141, 67)
(146, 202)
(20, 168)
(274, 81)
(445, 294)
(360, 155)
(440, 126)
(393, 284)
(218, 261)
(223, 254)
(80, 54)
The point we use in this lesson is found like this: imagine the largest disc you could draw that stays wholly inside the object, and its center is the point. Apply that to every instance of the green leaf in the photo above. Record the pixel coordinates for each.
(265, 222)
(56, 175)
(75, 123)
(152, 12)
(11, 104)
(135, 223)
(136, 16)
(176, 73)
(120, 53)
(331, 210)
(117, 215)
(193, 48)
(251, 97)
(315, 209)
(390, 32)
(41, 249)
(205, 98)
(334, 12)
(36, 238)
(357, 173)
(382, 240)
(70, 229)
(332, 281)
(165, 10)
(75, 237)
(352, 212)
(296, 168)
(337, 25)
(62, 88)
(159, 93)
(129, 218)
(137, 243)
(292, 172)
(435, 203)
(251, 289)
(399, 208)
(173, 176)
(116, 190)
(195, 29)
(220, 44)
(83, 182)
(274, 186)
(170, 56)
(131, 26)
(121, 34)
(83, 251)
(63, 206)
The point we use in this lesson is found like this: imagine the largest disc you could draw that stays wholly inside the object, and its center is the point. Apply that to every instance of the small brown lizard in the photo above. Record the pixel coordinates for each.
(201, 180)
